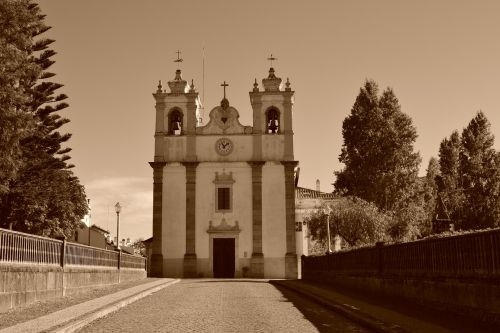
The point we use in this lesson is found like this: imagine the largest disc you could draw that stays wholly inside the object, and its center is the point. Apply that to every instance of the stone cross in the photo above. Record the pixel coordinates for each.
(224, 85)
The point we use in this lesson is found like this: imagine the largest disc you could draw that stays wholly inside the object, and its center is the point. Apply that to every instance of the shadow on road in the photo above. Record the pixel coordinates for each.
(323, 319)
(219, 280)
(440, 317)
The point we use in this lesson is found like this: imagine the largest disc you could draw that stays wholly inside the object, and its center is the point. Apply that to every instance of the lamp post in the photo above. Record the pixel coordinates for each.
(328, 211)
(118, 209)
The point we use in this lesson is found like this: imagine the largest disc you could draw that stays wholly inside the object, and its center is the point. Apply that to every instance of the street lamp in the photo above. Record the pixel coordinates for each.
(118, 209)
(328, 211)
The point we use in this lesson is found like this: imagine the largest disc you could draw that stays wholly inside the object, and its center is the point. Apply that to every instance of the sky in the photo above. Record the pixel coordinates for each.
(440, 57)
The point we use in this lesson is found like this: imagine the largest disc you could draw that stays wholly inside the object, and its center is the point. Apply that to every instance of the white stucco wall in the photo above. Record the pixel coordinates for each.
(273, 147)
(273, 210)
(241, 205)
(174, 211)
(174, 148)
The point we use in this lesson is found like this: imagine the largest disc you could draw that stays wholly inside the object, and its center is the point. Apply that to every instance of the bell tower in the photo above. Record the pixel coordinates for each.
(273, 153)
(176, 116)
(272, 112)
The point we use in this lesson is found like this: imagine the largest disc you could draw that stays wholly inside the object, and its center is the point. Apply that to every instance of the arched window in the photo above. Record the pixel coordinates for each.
(273, 121)
(175, 122)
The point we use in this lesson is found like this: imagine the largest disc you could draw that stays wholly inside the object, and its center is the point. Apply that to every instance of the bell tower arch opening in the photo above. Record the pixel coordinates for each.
(175, 122)
(272, 120)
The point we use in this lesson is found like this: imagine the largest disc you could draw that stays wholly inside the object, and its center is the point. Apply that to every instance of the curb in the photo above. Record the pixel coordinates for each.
(351, 313)
(84, 320)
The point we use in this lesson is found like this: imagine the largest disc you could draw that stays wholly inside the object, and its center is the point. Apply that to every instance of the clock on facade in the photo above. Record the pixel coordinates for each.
(224, 146)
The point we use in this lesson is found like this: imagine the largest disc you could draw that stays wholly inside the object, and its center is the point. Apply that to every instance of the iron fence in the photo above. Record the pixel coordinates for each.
(475, 255)
(21, 248)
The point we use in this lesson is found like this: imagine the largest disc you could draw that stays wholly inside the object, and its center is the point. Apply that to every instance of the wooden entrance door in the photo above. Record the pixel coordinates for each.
(223, 257)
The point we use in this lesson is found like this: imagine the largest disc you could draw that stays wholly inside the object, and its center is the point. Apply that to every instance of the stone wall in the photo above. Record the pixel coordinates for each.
(459, 273)
(21, 284)
(478, 299)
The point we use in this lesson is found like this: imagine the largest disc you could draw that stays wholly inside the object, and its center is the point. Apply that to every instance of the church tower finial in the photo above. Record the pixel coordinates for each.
(191, 87)
(255, 86)
(178, 85)
(224, 103)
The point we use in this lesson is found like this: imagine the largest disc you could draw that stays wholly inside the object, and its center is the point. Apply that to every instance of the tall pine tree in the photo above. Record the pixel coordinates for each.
(15, 70)
(45, 198)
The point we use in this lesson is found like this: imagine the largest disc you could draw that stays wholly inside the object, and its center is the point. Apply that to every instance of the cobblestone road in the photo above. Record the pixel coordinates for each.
(223, 306)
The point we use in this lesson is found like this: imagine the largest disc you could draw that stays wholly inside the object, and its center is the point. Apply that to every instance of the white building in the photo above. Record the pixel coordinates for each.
(223, 202)
(308, 201)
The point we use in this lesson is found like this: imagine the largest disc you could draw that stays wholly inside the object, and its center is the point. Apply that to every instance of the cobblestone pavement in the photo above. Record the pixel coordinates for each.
(45, 307)
(223, 306)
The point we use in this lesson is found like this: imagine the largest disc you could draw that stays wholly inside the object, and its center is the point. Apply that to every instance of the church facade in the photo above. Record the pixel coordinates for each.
(223, 193)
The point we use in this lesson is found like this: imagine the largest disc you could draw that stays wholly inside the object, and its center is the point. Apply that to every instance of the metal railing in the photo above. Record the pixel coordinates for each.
(20, 248)
(474, 255)
(82, 255)
(130, 261)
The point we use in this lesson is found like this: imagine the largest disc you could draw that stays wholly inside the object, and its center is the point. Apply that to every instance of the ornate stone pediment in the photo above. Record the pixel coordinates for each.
(224, 227)
(223, 178)
(224, 120)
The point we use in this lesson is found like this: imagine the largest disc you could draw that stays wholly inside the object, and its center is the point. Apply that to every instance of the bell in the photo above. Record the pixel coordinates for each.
(273, 126)
(176, 126)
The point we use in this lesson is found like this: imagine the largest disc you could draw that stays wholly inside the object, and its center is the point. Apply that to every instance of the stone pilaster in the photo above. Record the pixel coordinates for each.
(157, 255)
(257, 259)
(190, 267)
(291, 252)
(287, 127)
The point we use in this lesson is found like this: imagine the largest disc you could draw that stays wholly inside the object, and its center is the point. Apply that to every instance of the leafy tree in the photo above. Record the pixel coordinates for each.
(357, 221)
(139, 247)
(450, 198)
(480, 175)
(409, 222)
(45, 198)
(423, 206)
(380, 164)
(430, 190)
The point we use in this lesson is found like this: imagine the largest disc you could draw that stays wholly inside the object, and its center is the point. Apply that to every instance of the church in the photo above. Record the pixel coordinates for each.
(223, 193)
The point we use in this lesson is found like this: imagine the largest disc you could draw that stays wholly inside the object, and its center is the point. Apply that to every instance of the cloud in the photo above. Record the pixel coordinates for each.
(136, 198)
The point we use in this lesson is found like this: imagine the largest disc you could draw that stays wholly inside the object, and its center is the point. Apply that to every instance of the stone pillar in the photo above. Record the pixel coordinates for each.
(157, 255)
(257, 259)
(190, 265)
(287, 128)
(291, 252)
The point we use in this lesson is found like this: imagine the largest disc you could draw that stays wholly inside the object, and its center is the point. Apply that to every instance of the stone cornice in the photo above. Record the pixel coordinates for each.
(157, 165)
(190, 164)
(290, 163)
(256, 164)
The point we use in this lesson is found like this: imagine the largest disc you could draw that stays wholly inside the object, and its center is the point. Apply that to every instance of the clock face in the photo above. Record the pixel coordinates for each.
(224, 146)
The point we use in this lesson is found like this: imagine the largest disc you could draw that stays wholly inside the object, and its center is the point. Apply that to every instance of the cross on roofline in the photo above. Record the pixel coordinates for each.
(224, 85)
(179, 59)
(271, 58)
